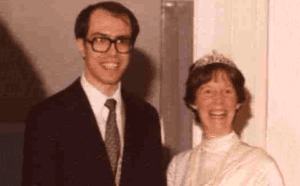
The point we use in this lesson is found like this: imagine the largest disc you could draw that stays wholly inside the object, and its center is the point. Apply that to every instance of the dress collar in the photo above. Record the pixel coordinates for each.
(221, 143)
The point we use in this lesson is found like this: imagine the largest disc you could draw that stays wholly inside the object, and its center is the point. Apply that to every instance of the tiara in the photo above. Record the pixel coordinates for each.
(213, 58)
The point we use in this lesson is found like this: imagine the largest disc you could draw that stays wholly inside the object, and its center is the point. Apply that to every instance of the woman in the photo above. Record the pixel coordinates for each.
(214, 92)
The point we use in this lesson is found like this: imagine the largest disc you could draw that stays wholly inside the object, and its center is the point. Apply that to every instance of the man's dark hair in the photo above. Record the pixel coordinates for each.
(116, 9)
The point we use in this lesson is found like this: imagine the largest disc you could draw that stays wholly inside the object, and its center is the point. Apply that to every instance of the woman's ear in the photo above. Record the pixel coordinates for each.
(238, 106)
(194, 107)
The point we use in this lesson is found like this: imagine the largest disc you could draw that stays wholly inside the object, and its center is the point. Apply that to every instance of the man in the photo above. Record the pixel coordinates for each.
(66, 137)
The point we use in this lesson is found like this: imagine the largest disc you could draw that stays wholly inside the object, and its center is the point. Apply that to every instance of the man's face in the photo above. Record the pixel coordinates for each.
(104, 70)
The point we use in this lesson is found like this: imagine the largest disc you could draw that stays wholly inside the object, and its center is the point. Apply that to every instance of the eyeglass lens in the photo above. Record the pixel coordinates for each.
(103, 44)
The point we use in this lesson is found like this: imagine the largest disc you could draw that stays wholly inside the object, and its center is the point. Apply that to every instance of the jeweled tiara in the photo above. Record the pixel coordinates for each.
(215, 57)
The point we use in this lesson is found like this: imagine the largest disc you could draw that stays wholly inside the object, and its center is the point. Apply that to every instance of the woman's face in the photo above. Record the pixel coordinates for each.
(217, 103)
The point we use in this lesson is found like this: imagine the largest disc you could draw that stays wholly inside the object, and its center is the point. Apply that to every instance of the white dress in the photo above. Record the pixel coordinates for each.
(224, 161)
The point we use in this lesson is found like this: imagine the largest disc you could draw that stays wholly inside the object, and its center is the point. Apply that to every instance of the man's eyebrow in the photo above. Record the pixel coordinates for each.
(105, 35)
(99, 34)
(123, 37)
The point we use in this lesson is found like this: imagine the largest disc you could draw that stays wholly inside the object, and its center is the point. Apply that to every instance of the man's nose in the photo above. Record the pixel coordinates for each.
(112, 50)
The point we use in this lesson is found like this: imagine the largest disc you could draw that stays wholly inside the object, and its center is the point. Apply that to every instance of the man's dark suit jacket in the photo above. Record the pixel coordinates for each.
(63, 145)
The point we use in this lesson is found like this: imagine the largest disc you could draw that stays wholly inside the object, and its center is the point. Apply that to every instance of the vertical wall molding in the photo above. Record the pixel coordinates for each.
(176, 57)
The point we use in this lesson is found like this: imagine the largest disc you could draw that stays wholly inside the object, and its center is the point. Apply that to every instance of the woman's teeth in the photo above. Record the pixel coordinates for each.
(217, 113)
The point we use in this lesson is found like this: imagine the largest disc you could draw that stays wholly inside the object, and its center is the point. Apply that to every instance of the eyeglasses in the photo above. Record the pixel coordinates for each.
(103, 44)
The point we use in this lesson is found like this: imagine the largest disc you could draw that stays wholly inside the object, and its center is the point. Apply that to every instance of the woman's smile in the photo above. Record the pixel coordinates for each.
(217, 114)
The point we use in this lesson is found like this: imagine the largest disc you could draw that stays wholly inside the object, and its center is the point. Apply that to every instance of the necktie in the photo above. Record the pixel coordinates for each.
(112, 138)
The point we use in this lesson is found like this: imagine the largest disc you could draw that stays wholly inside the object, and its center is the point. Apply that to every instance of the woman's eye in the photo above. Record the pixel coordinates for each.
(207, 91)
(228, 91)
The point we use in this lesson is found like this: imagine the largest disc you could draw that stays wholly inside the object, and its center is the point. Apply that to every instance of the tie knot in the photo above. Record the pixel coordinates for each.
(110, 104)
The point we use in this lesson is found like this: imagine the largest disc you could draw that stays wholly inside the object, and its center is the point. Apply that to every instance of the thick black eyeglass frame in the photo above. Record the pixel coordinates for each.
(110, 42)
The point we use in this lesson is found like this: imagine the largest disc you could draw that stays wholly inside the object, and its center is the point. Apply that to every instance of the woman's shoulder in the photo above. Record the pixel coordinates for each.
(184, 155)
(256, 155)
(181, 162)
(261, 163)
(178, 167)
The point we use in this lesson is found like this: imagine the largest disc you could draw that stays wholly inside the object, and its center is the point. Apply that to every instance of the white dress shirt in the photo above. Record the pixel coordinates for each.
(97, 100)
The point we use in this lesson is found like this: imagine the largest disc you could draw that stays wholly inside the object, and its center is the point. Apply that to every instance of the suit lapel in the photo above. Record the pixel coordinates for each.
(82, 109)
(84, 116)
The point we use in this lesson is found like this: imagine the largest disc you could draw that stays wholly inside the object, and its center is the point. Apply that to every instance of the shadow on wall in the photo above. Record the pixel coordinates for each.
(20, 85)
(138, 81)
(243, 115)
(20, 88)
(140, 73)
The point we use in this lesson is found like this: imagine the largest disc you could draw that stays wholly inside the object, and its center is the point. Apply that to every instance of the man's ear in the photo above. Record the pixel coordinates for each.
(80, 46)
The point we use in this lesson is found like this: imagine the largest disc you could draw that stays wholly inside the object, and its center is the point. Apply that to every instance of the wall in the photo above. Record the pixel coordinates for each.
(283, 140)
(44, 30)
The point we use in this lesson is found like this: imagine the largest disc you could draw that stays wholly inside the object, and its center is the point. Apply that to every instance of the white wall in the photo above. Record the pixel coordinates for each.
(283, 140)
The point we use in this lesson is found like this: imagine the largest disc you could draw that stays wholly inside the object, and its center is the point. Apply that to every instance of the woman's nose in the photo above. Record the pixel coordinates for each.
(219, 97)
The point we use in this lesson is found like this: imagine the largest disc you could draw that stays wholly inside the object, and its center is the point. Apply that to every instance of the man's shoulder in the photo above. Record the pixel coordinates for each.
(135, 102)
(61, 99)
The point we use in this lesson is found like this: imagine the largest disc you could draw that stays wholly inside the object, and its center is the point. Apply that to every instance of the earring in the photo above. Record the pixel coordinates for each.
(238, 106)
(194, 107)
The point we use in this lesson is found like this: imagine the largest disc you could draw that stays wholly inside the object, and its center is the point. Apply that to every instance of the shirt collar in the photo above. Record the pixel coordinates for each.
(96, 97)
